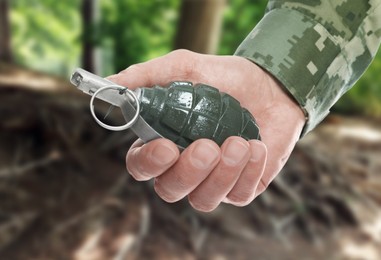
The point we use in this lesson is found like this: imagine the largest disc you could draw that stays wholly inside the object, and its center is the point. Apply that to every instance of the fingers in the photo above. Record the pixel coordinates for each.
(150, 160)
(207, 173)
(194, 165)
(235, 153)
(246, 188)
(236, 177)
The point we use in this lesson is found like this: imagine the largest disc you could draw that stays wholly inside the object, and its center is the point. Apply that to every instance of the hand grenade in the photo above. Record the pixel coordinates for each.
(181, 111)
(184, 113)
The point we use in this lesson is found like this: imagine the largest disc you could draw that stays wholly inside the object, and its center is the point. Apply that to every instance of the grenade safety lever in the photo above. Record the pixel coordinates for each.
(181, 111)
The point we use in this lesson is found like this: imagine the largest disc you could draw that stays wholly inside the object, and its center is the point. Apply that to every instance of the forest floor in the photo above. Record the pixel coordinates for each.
(65, 194)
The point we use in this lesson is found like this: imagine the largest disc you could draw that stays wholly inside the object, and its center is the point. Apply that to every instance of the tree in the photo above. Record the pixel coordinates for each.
(5, 35)
(200, 25)
(88, 17)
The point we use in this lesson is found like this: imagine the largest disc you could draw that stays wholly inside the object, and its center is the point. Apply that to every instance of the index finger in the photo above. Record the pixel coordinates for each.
(173, 66)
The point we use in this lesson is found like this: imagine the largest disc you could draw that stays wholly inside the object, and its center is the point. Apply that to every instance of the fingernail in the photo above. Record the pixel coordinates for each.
(235, 152)
(163, 155)
(204, 155)
(258, 151)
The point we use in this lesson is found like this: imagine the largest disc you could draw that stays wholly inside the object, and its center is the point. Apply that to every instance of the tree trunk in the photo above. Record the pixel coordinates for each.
(88, 52)
(200, 25)
(5, 35)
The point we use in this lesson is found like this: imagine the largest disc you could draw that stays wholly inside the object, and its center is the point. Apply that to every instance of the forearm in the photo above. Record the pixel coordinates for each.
(316, 52)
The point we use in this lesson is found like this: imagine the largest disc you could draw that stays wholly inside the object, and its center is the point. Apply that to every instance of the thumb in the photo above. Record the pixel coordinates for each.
(177, 65)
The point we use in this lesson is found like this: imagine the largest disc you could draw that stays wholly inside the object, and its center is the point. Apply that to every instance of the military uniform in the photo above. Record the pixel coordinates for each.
(317, 49)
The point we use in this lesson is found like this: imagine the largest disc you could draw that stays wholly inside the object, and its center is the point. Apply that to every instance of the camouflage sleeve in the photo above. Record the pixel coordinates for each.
(316, 49)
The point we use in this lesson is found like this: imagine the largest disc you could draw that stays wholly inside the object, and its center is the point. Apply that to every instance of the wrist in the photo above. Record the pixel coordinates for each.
(280, 105)
(287, 101)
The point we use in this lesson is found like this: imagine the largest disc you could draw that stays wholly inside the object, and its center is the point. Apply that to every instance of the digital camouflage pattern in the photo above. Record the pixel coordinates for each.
(317, 49)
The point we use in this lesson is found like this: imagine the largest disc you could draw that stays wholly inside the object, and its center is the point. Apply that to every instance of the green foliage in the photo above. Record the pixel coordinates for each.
(45, 33)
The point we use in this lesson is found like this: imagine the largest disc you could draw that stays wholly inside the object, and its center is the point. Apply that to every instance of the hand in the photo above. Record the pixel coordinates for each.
(239, 170)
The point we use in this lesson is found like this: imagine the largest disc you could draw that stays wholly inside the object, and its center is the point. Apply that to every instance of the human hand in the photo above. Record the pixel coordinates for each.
(239, 170)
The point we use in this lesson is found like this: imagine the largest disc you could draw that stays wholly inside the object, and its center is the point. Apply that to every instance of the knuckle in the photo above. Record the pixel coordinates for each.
(182, 53)
(223, 182)
(185, 60)
(182, 181)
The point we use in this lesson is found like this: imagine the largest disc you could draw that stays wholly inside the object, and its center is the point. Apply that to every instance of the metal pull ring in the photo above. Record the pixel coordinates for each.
(121, 91)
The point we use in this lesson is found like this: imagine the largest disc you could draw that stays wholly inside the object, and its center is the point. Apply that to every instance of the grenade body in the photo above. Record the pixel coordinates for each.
(184, 113)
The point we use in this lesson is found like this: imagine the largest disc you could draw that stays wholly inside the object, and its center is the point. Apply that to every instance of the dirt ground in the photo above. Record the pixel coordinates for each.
(65, 193)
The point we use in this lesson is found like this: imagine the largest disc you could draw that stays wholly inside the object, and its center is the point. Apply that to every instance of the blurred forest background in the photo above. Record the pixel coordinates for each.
(56, 202)
(108, 36)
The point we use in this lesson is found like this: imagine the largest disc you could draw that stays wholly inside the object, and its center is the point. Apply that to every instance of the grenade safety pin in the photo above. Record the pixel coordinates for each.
(181, 111)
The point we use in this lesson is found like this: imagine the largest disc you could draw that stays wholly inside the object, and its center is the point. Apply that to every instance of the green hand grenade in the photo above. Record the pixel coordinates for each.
(180, 112)
(184, 113)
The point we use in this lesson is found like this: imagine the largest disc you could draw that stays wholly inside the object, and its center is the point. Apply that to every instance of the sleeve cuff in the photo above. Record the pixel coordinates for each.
(299, 52)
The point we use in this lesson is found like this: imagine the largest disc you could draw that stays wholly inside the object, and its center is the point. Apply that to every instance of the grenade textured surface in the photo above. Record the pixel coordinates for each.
(184, 113)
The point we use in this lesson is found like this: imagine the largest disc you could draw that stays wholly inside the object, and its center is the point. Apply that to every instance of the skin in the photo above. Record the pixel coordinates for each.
(239, 170)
